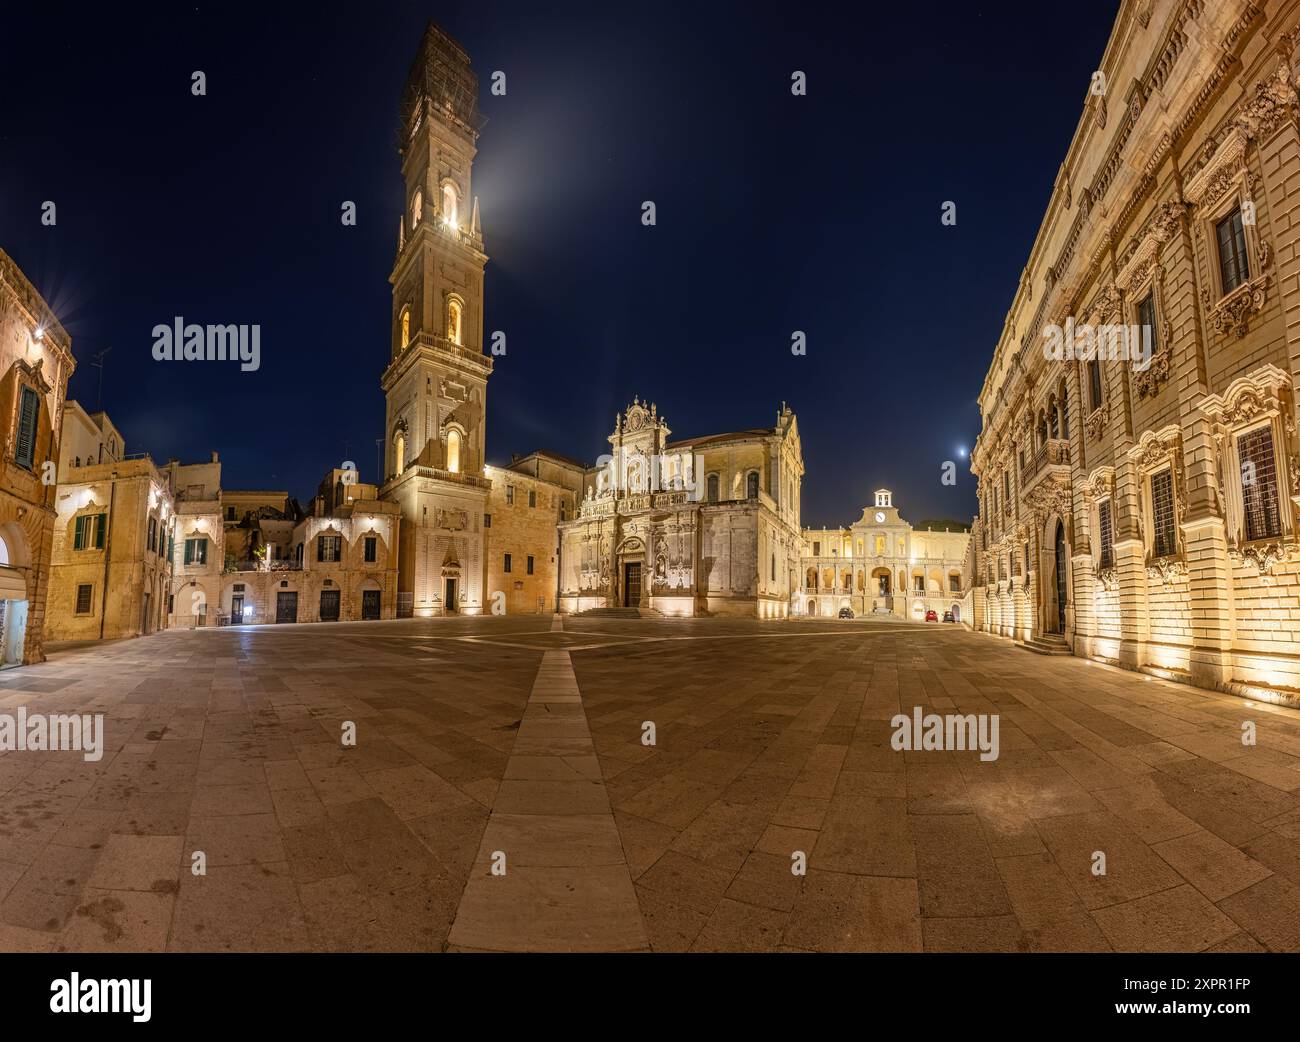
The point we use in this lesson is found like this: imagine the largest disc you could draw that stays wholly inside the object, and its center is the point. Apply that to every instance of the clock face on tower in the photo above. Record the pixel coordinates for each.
(880, 517)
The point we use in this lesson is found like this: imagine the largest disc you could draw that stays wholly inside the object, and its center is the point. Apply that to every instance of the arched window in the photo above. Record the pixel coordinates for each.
(453, 451)
(751, 485)
(399, 453)
(417, 208)
(449, 214)
(453, 321)
(406, 328)
(713, 488)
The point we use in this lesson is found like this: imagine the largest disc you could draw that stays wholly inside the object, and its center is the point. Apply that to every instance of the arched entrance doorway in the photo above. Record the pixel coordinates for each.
(13, 595)
(1058, 617)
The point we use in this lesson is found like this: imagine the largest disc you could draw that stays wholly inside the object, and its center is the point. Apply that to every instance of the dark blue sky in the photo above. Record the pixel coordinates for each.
(775, 213)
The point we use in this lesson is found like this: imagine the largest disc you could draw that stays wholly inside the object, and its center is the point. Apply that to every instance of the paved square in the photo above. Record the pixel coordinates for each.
(500, 797)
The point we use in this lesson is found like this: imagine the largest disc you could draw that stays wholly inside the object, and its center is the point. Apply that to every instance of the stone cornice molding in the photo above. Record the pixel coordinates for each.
(1248, 397)
(1100, 484)
(1218, 164)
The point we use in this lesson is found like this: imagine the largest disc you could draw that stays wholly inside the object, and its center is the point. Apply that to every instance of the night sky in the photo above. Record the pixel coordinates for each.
(775, 213)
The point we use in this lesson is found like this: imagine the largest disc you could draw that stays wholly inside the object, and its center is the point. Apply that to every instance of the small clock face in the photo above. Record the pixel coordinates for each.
(880, 517)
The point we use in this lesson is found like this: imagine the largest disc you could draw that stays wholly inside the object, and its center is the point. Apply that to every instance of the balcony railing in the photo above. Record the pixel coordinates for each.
(1054, 451)
(286, 565)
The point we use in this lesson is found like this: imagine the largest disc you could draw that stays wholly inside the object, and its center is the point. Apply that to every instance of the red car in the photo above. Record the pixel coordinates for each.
(931, 616)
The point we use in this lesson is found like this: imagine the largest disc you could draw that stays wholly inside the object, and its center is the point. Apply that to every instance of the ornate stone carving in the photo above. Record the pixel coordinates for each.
(1263, 557)
(1107, 303)
(1273, 101)
(1095, 424)
(1049, 497)
(1099, 485)
(1147, 381)
(1167, 569)
(1166, 219)
(455, 520)
(1233, 313)
(1216, 169)
(1108, 578)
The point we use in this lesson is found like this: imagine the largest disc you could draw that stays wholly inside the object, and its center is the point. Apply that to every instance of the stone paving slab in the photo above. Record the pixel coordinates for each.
(767, 747)
(564, 884)
(773, 743)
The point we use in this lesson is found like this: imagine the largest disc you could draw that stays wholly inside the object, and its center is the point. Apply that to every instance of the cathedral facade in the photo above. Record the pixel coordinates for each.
(703, 526)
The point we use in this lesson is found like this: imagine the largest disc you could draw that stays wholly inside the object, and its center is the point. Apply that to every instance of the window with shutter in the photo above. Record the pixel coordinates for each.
(1094, 384)
(101, 523)
(1234, 268)
(29, 412)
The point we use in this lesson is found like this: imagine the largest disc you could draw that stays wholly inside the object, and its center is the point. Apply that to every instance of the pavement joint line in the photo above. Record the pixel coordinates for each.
(559, 892)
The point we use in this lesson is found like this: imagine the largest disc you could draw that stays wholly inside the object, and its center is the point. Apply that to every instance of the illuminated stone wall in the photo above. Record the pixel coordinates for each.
(1179, 199)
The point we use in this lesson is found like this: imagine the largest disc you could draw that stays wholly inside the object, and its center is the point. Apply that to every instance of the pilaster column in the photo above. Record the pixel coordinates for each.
(1130, 563)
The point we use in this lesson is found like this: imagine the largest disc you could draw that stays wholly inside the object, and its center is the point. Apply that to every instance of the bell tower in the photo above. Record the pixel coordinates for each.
(436, 380)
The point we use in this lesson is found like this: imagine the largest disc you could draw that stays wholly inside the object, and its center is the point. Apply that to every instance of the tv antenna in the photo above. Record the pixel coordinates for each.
(98, 362)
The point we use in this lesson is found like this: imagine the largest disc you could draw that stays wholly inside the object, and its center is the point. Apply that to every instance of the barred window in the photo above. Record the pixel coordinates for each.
(1259, 490)
(1162, 512)
(1106, 533)
(1234, 268)
(83, 599)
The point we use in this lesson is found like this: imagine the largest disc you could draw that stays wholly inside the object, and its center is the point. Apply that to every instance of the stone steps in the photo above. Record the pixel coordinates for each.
(619, 613)
(1046, 644)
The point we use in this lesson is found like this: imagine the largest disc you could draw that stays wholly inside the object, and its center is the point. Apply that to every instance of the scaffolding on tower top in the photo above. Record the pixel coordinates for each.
(442, 79)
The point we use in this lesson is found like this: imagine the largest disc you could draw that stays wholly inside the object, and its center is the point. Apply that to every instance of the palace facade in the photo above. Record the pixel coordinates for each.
(1140, 506)
(881, 565)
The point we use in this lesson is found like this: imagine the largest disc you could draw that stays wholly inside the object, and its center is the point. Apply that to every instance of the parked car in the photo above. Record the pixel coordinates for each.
(947, 617)
(846, 613)
(931, 616)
